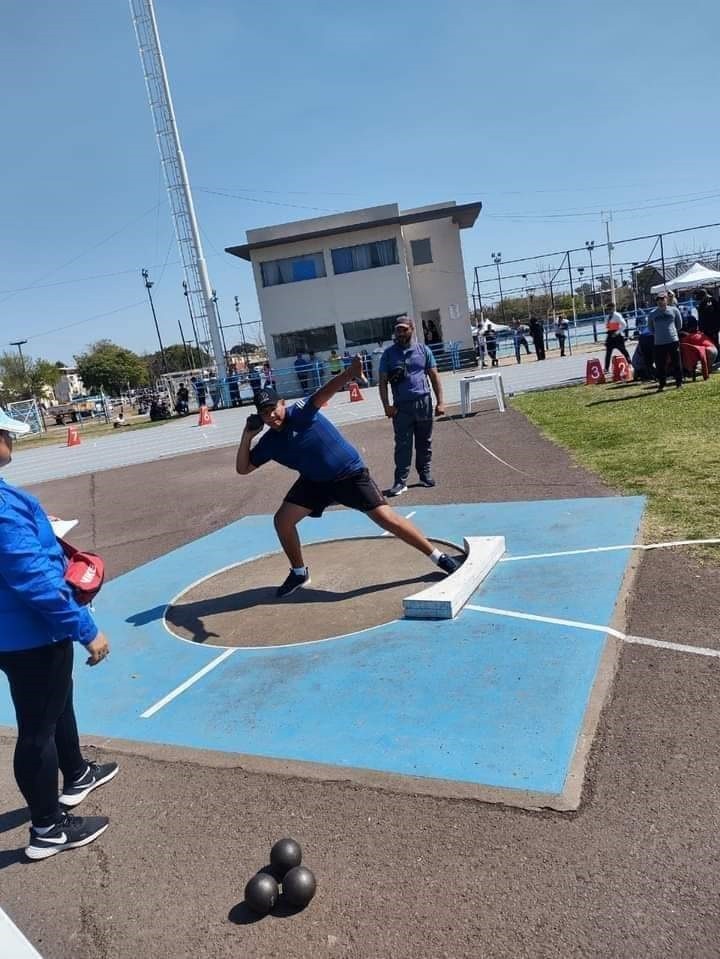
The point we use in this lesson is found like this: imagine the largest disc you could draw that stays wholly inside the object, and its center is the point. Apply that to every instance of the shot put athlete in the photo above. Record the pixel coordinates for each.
(331, 471)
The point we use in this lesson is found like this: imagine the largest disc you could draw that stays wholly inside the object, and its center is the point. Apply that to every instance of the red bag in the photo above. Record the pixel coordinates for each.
(85, 572)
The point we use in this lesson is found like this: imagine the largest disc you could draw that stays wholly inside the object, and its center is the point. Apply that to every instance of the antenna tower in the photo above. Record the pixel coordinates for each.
(199, 291)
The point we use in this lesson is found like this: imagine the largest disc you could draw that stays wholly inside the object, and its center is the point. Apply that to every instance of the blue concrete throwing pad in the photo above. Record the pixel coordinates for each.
(483, 705)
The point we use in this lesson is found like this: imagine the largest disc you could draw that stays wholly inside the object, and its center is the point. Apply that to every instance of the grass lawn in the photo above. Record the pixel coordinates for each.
(663, 445)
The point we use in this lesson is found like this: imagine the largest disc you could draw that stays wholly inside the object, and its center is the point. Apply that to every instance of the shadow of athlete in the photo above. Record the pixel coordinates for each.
(331, 471)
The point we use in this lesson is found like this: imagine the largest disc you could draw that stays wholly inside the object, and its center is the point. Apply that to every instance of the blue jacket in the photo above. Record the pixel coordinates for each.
(37, 606)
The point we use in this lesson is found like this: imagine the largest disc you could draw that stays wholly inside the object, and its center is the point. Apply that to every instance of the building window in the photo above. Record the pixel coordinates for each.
(421, 252)
(362, 332)
(292, 269)
(316, 340)
(366, 256)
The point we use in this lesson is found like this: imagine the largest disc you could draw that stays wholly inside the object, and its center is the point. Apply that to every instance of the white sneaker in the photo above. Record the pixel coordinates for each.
(397, 490)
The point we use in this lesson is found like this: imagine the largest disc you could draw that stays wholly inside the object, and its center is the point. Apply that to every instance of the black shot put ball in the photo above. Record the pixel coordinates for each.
(261, 893)
(285, 855)
(299, 886)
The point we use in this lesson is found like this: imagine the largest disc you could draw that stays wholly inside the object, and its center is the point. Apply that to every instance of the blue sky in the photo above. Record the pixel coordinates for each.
(548, 113)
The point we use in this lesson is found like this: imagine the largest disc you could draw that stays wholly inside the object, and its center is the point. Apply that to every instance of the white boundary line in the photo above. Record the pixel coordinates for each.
(596, 628)
(13, 942)
(186, 685)
(608, 549)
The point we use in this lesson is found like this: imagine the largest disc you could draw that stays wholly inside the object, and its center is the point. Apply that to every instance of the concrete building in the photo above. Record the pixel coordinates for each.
(68, 385)
(340, 281)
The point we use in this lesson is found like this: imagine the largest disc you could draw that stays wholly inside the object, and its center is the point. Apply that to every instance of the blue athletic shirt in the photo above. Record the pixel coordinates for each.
(417, 360)
(310, 444)
(37, 606)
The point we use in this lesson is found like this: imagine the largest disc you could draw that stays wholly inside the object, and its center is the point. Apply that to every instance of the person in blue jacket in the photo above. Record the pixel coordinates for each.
(40, 621)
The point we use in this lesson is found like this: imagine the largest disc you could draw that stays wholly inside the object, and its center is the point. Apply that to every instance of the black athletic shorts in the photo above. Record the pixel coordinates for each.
(357, 491)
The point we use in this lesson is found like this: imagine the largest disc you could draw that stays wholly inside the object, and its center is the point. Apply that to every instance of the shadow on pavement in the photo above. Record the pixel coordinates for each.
(14, 818)
(189, 616)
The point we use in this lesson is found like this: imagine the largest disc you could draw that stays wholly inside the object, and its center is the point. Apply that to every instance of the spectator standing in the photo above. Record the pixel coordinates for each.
(268, 376)
(615, 326)
(538, 337)
(40, 621)
(302, 370)
(561, 328)
(709, 317)
(335, 364)
(200, 391)
(410, 367)
(519, 339)
(254, 379)
(315, 367)
(665, 324)
(479, 342)
(491, 343)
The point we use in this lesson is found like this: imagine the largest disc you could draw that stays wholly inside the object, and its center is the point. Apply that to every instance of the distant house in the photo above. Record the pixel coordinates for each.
(340, 281)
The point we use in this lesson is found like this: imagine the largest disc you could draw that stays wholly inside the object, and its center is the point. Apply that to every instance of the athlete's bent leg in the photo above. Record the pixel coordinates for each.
(286, 520)
(392, 522)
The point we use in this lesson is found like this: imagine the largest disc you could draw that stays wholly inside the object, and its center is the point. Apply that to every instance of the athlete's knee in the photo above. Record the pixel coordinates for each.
(284, 519)
(386, 517)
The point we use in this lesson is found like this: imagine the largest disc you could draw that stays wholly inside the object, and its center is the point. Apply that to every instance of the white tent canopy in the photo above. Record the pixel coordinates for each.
(695, 278)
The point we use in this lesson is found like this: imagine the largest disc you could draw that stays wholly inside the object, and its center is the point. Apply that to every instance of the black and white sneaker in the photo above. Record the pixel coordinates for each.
(397, 490)
(427, 481)
(447, 564)
(95, 775)
(293, 582)
(70, 832)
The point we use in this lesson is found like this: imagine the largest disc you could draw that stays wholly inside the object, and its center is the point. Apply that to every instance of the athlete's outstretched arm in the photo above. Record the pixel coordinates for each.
(354, 371)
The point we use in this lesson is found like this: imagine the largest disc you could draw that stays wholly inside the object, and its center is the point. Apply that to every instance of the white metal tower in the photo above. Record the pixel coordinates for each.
(199, 291)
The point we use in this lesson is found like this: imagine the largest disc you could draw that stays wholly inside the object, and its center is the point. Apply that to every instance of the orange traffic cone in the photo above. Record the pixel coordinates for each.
(73, 437)
(355, 394)
(205, 419)
(594, 372)
(621, 370)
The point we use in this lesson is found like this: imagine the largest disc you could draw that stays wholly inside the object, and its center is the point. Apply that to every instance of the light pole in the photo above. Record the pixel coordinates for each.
(610, 248)
(148, 286)
(590, 246)
(19, 344)
(186, 293)
(497, 259)
(633, 278)
(242, 334)
(214, 298)
(581, 270)
(527, 293)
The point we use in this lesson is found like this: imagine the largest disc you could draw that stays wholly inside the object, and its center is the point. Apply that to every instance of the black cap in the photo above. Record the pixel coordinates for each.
(265, 397)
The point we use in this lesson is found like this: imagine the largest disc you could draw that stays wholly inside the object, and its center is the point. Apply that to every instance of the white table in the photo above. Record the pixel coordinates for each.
(467, 381)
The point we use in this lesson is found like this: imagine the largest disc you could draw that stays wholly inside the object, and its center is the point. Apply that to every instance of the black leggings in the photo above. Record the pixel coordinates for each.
(615, 341)
(668, 354)
(42, 692)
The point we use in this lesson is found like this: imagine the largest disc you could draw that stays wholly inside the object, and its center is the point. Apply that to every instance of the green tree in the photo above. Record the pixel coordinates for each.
(41, 373)
(12, 377)
(20, 382)
(110, 367)
(177, 359)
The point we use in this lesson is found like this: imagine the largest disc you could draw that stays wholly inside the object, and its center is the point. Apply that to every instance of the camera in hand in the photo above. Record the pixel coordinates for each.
(254, 421)
(397, 374)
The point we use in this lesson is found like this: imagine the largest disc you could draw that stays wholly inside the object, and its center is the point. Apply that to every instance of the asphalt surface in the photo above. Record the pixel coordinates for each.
(633, 873)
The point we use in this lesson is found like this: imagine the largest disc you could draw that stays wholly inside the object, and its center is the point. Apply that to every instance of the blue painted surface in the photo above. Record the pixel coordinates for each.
(479, 699)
